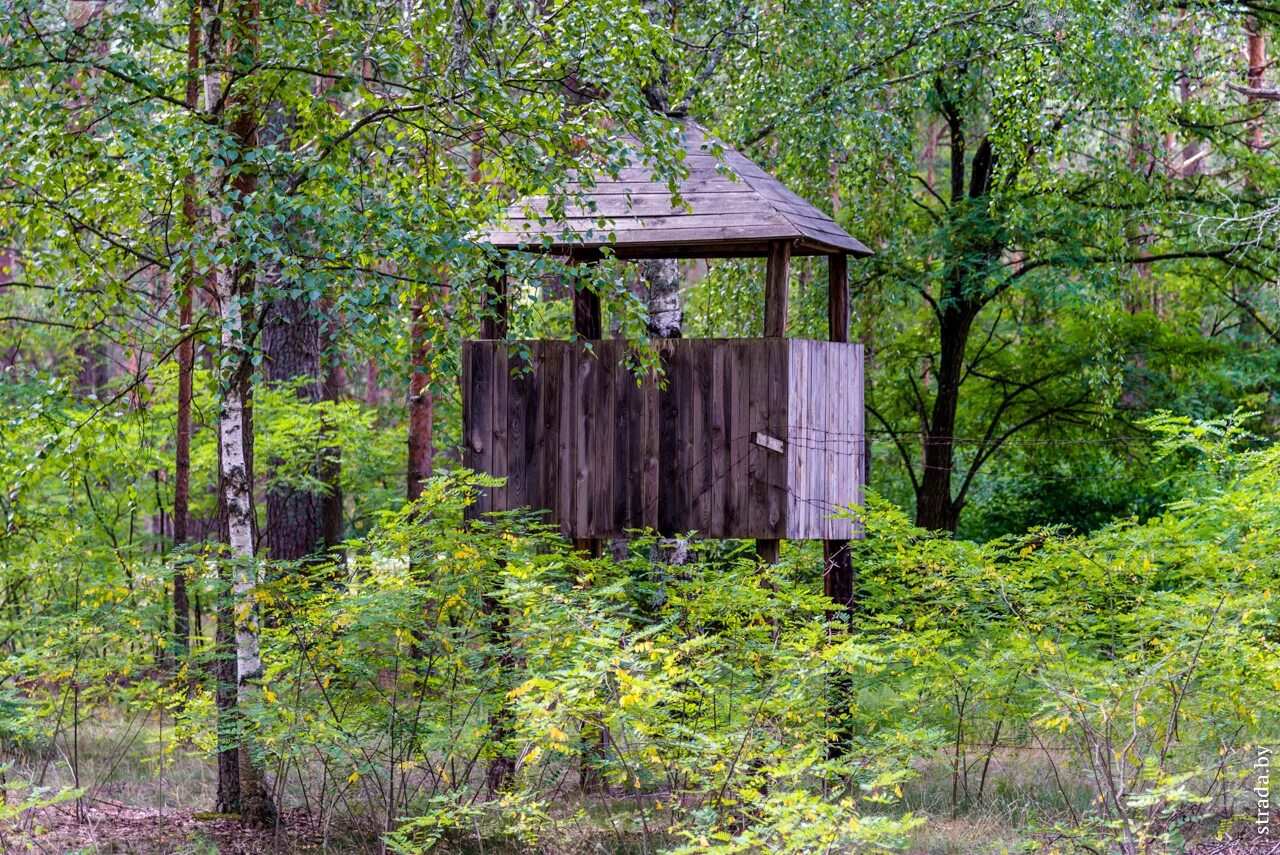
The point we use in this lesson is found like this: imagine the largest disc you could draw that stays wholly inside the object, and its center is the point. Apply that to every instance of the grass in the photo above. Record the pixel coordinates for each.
(146, 799)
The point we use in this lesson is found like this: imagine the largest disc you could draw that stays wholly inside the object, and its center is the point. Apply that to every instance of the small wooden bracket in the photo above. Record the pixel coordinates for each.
(772, 443)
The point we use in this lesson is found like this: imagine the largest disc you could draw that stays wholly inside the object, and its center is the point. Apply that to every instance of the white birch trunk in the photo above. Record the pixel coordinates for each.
(235, 474)
(237, 496)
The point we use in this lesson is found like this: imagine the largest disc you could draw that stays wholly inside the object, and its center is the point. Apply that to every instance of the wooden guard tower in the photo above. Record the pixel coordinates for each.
(751, 438)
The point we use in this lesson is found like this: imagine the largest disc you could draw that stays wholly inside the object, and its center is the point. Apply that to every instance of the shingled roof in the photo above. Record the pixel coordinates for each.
(735, 209)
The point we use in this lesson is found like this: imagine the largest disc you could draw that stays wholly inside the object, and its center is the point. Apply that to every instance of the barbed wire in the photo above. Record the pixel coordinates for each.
(845, 444)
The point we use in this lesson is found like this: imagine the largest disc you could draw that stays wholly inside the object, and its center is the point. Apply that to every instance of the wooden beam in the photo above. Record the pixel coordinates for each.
(838, 298)
(494, 313)
(770, 551)
(837, 573)
(777, 276)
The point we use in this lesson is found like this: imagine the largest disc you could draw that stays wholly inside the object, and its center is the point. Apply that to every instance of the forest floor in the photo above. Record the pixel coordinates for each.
(143, 800)
(107, 827)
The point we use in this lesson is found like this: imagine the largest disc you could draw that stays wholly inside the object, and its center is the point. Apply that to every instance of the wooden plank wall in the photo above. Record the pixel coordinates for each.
(574, 433)
(826, 427)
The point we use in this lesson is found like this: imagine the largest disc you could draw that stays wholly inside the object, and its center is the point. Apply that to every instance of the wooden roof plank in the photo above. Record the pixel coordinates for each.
(733, 205)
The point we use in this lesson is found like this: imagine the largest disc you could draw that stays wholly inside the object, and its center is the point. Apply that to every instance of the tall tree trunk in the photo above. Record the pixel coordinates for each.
(1256, 79)
(935, 508)
(291, 352)
(186, 361)
(297, 346)
(961, 300)
(662, 297)
(421, 400)
(233, 291)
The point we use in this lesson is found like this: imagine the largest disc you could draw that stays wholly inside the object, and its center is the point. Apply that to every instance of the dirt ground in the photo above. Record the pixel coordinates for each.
(107, 827)
(112, 828)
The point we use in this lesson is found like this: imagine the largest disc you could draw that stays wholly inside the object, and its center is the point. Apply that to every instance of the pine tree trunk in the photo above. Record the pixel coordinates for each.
(186, 364)
(291, 352)
(1256, 46)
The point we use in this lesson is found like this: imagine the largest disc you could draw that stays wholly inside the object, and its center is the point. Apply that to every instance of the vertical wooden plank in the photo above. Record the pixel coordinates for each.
(671, 452)
(686, 494)
(588, 323)
(500, 385)
(853, 429)
(801, 404)
(720, 412)
(568, 408)
(837, 572)
(738, 368)
(548, 445)
(820, 389)
(604, 430)
(626, 459)
(649, 486)
(517, 417)
(757, 358)
(799, 452)
(584, 401)
(777, 276)
(668, 424)
(481, 437)
(863, 443)
(776, 283)
(842, 368)
(468, 419)
(700, 436)
(838, 298)
(779, 404)
(534, 496)
(776, 476)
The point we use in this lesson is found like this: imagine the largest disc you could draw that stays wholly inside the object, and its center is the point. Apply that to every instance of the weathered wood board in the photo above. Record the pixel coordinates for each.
(746, 438)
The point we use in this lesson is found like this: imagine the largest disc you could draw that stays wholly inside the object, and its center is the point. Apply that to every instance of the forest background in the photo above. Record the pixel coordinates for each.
(238, 255)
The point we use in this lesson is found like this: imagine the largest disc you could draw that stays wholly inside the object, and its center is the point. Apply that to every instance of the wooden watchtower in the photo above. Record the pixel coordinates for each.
(758, 438)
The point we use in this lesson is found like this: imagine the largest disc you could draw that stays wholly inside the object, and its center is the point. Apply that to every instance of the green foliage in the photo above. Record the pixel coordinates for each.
(1110, 134)
(1134, 661)
(449, 684)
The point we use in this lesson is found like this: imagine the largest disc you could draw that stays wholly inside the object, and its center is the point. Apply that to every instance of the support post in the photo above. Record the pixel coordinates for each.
(837, 560)
(837, 567)
(776, 279)
(838, 298)
(769, 551)
(494, 317)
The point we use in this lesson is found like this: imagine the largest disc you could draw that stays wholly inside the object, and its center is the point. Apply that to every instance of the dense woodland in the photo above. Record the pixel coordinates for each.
(241, 606)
